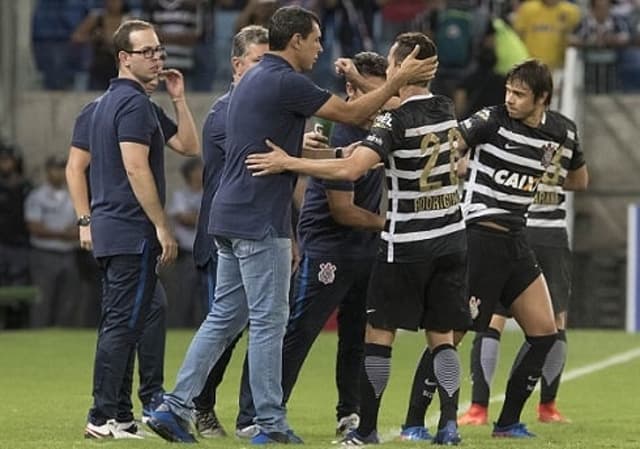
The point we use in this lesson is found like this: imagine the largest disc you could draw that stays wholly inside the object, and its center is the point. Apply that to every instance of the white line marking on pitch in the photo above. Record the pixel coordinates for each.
(575, 373)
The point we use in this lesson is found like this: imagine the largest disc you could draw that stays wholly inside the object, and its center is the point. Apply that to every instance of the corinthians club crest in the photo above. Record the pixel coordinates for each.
(548, 151)
(327, 273)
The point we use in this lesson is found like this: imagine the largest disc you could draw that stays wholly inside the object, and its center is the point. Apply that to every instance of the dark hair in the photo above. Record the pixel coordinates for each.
(121, 40)
(252, 34)
(189, 166)
(536, 75)
(369, 63)
(286, 22)
(406, 42)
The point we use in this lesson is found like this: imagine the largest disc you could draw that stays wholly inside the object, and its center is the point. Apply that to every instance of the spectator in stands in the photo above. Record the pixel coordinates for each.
(186, 308)
(53, 23)
(98, 28)
(629, 57)
(179, 24)
(256, 12)
(396, 18)
(545, 27)
(601, 35)
(14, 236)
(483, 86)
(51, 220)
(205, 57)
(452, 26)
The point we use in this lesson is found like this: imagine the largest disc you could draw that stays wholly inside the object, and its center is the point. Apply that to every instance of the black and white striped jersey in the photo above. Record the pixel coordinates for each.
(547, 216)
(508, 160)
(424, 216)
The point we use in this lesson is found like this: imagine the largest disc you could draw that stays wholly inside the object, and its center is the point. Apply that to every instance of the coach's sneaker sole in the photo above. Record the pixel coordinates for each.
(517, 430)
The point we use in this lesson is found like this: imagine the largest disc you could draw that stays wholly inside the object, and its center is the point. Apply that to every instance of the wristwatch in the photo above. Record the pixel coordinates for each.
(85, 220)
(339, 152)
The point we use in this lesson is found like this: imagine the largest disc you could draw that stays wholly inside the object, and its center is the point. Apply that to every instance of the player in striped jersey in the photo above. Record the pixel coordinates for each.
(547, 232)
(514, 147)
(419, 276)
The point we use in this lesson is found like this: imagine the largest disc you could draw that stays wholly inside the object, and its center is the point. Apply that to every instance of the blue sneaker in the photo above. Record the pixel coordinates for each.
(170, 426)
(353, 438)
(415, 433)
(517, 430)
(289, 437)
(448, 435)
(154, 403)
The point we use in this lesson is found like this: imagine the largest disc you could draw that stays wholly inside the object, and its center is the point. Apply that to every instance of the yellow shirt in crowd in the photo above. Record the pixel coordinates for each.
(545, 27)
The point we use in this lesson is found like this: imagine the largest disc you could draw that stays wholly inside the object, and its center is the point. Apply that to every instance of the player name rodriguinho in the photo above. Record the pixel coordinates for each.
(444, 201)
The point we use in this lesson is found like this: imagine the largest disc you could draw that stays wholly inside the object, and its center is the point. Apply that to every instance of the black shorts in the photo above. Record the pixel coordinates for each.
(556, 266)
(428, 295)
(501, 266)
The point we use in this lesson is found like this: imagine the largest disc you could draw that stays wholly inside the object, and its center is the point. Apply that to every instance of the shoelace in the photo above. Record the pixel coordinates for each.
(208, 420)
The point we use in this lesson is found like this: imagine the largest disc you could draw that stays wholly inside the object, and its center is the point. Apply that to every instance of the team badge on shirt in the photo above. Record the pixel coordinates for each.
(474, 307)
(382, 121)
(549, 150)
(327, 273)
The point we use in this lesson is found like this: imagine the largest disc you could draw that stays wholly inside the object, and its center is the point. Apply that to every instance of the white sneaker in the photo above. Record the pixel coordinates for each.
(246, 433)
(347, 424)
(112, 429)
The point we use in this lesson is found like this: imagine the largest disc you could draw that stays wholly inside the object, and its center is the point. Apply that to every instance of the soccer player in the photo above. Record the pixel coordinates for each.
(129, 232)
(515, 147)
(251, 220)
(248, 46)
(418, 279)
(335, 266)
(547, 233)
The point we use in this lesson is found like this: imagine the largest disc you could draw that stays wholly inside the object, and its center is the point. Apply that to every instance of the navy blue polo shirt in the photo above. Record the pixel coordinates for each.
(81, 135)
(124, 113)
(318, 233)
(213, 138)
(271, 101)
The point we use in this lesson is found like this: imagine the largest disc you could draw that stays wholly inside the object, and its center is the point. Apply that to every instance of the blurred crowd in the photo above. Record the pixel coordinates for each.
(39, 246)
(72, 48)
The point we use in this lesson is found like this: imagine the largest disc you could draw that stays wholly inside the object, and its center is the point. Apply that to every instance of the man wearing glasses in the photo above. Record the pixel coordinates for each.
(129, 229)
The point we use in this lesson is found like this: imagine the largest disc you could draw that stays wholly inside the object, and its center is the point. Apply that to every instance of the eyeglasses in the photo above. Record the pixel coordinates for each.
(148, 53)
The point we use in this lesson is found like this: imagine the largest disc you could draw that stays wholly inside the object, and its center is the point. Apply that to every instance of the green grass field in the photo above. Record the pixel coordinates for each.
(45, 383)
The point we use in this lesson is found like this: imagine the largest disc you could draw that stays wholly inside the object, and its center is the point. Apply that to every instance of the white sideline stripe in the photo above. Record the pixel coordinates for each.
(576, 373)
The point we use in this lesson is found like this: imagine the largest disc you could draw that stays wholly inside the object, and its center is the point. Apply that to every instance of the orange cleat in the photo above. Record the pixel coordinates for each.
(548, 413)
(477, 415)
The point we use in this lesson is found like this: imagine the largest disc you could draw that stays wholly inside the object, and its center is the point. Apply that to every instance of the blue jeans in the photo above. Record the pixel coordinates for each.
(252, 287)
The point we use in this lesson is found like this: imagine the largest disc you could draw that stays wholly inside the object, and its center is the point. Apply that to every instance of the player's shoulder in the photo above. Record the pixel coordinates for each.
(561, 120)
(560, 126)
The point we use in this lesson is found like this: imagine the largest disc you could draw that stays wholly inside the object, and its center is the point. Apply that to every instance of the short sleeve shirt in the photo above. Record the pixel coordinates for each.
(271, 101)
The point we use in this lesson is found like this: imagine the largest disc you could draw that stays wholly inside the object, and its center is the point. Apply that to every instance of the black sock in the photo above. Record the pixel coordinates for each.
(446, 367)
(422, 391)
(373, 380)
(552, 369)
(524, 377)
(484, 360)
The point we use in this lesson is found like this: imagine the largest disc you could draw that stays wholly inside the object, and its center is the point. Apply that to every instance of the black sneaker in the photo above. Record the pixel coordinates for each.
(207, 424)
